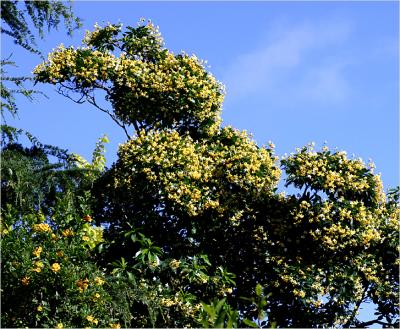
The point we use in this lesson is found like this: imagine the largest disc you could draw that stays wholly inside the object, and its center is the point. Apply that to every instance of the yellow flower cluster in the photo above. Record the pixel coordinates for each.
(38, 266)
(174, 264)
(189, 309)
(82, 64)
(98, 281)
(299, 293)
(334, 173)
(170, 91)
(342, 225)
(41, 228)
(82, 284)
(92, 319)
(168, 302)
(96, 297)
(199, 175)
(37, 251)
(25, 280)
(67, 233)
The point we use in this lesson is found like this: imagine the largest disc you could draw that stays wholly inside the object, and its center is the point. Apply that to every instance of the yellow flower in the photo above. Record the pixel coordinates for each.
(115, 325)
(37, 251)
(25, 280)
(82, 284)
(299, 293)
(229, 290)
(41, 228)
(59, 326)
(96, 297)
(38, 266)
(91, 319)
(39, 308)
(55, 267)
(174, 264)
(167, 302)
(99, 281)
(85, 238)
(67, 233)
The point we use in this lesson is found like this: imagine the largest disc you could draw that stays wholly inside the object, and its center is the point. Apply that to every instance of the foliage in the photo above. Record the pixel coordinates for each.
(18, 18)
(43, 15)
(49, 243)
(193, 231)
(49, 276)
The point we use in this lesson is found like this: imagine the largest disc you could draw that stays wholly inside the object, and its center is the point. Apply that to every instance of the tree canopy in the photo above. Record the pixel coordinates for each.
(187, 227)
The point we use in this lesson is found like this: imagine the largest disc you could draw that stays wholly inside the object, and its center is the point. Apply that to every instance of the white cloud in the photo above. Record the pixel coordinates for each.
(297, 61)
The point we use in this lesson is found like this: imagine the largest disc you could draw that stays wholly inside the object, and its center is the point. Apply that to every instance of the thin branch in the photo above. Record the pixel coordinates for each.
(356, 307)
(92, 100)
(305, 191)
(368, 323)
(61, 92)
(135, 125)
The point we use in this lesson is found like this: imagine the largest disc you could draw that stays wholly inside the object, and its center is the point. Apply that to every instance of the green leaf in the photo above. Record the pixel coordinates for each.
(259, 290)
(250, 323)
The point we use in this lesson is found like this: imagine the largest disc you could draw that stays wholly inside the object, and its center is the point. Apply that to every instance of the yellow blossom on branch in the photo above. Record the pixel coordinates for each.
(99, 281)
(92, 319)
(41, 228)
(55, 267)
(37, 251)
(67, 233)
(25, 280)
(82, 284)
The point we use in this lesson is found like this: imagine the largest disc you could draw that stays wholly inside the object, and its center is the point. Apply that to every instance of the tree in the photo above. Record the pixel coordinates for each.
(196, 228)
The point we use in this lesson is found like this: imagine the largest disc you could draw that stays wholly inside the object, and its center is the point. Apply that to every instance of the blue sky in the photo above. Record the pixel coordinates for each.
(295, 72)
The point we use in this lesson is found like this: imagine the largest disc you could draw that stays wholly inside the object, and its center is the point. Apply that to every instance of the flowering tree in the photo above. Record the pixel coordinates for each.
(196, 233)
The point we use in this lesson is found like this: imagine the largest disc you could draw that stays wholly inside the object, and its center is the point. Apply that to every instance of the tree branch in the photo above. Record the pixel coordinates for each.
(85, 96)
(356, 307)
(378, 321)
(92, 100)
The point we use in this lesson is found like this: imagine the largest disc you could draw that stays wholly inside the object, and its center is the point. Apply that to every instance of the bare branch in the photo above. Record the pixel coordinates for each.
(85, 96)
(91, 99)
